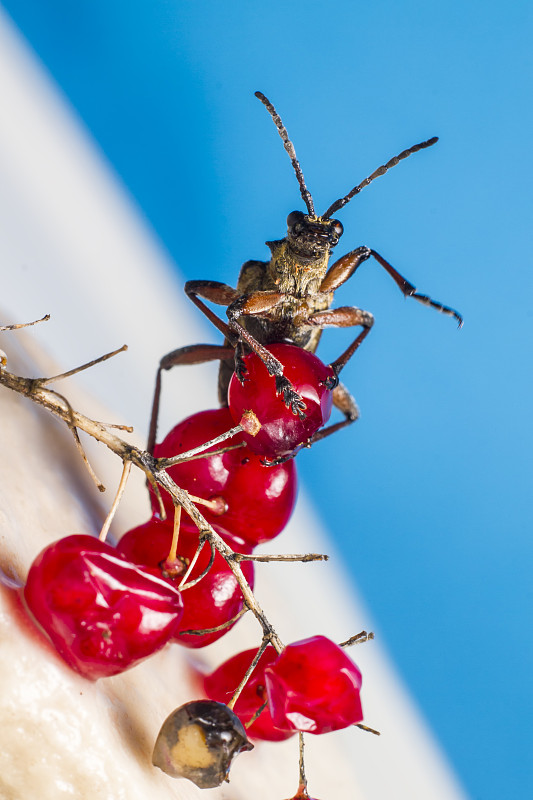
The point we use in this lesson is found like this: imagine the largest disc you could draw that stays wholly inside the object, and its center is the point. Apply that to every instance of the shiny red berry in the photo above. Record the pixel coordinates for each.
(214, 600)
(283, 432)
(221, 684)
(257, 500)
(102, 613)
(313, 686)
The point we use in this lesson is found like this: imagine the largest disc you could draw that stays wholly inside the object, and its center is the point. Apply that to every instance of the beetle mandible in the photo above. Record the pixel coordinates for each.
(289, 298)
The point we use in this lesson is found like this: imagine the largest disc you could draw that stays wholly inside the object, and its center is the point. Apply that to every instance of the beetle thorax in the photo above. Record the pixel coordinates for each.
(295, 273)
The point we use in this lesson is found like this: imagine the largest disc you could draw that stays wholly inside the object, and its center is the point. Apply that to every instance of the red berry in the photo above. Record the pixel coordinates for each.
(258, 499)
(283, 432)
(313, 686)
(221, 684)
(102, 613)
(214, 600)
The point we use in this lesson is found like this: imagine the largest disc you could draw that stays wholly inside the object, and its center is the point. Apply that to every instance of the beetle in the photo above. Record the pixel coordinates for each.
(289, 297)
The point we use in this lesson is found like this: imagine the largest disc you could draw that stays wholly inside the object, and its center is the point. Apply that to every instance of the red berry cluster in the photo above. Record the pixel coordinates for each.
(106, 608)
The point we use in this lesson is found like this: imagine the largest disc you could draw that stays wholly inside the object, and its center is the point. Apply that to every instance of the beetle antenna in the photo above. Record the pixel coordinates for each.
(289, 147)
(380, 171)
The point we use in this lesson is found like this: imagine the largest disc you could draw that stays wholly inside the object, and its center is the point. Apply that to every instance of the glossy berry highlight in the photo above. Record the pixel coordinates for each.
(257, 500)
(282, 432)
(102, 613)
(314, 686)
(213, 601)
(221, 684)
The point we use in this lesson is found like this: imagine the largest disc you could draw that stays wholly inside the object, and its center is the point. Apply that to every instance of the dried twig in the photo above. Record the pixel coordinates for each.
(35, 389)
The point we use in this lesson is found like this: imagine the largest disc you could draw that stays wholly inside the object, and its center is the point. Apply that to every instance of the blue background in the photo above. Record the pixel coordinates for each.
(427, 497)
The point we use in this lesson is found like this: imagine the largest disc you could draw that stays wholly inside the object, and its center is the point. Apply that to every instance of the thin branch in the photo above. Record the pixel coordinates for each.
(359, 638)
(253, 665)
(24, 324)
(118, 427)
(97, 482)
(185, 457)
(280, 557)
(366, 729)
(184, 585)
(155, 488)
(302, 783)
(120, 491)
(228, 624)
(217, 505)
(256, 715)
(150, 466)
(165, 463)
(46, 381)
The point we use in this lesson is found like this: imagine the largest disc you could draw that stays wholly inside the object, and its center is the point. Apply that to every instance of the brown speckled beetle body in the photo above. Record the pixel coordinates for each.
(289, 297)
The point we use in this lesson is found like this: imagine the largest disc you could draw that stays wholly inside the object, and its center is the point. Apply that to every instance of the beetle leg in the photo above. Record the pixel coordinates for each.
(240, 366)
(344, 268)
(343, 400)
(344, 317)
(410, 291)
(215, 292)
(183, 356)
(261, 304)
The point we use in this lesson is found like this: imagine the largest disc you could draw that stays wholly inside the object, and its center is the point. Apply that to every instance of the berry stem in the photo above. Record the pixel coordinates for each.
(155, 488)
(302, 784)
(187, 457)
(359, 638)
(173, 552)
(24, 324)
(367, 729)
(255, 661)
(281, 557)
(256, 715)
(165, 463)
(46, 381)
(216, 506)
(184, 585)
(60, 407)
(228, 624)
(99, 485)
(120, 491)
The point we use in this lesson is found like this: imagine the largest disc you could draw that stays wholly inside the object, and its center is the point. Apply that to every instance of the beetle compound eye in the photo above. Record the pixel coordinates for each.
(338, 228)
(294, 218)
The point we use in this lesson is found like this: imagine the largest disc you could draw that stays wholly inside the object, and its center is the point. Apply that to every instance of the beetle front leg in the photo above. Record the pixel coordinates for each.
(343, 400)
(344, 268)
(409, 290)
(261, 304)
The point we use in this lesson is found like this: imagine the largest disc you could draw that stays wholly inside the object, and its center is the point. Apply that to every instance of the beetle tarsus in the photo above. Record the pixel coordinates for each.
(291, 398)
(331, 382)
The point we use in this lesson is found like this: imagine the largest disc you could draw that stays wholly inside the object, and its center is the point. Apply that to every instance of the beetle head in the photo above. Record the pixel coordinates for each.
(308, 230)
(311, 235)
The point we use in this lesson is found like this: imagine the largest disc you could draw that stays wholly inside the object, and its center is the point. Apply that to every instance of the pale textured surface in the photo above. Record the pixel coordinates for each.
(71, 245)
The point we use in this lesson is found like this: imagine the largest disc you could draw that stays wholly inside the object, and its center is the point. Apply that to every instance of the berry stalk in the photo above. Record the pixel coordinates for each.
(35, 389)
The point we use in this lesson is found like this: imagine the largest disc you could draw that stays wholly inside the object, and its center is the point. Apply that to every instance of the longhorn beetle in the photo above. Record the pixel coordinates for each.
(289, 297)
